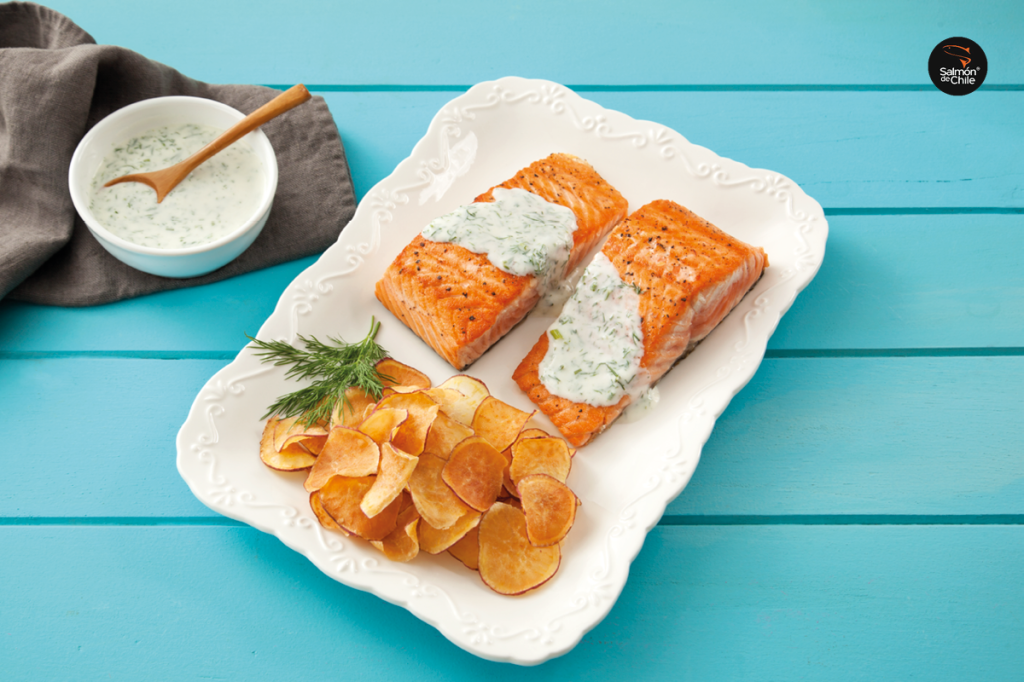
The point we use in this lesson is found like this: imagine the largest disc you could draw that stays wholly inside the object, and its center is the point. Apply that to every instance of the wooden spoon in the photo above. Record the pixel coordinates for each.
(163, 181)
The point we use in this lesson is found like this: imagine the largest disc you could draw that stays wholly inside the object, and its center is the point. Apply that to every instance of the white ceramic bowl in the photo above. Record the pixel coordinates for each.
(138, 118)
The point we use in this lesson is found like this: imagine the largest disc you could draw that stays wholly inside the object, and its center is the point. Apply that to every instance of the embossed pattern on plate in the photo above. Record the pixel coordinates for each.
(627, 476)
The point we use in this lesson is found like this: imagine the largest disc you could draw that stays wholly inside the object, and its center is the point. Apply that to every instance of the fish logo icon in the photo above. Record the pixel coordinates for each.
(949, 49)
(957, 66)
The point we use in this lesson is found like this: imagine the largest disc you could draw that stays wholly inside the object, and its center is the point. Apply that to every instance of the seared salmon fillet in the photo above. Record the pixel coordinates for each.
(688, 274)
(457, 300)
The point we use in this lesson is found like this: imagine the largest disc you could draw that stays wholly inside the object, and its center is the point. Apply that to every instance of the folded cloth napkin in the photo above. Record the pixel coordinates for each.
(55, 84)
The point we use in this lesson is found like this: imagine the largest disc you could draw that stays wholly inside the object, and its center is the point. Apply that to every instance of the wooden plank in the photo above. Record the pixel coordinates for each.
(897, 282)
(845, 149)
(818, 436)
(98, 436)
(462, 42)
(858, 149)
(752, 603)
(877, 436)
(211, 318)
(886, 282)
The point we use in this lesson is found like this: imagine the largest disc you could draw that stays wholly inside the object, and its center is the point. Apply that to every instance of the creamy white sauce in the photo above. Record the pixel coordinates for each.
(215, 199)
(552, 302)
(520, 232)
(595, 345)
(644, 405)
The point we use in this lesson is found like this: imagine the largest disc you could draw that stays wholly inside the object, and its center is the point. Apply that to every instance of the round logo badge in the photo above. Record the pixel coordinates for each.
(958, 66)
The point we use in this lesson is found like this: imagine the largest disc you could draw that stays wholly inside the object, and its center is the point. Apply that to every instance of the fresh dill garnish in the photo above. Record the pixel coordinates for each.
(333, 369)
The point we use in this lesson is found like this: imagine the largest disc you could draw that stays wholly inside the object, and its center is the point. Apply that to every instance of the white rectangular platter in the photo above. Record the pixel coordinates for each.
(627, 476)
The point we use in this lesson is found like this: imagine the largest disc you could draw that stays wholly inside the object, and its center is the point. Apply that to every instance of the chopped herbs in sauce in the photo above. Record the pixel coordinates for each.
(520, 232)
(595, 345)
(215, 199)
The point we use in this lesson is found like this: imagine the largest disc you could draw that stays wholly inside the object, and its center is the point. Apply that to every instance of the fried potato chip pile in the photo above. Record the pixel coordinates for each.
(439, 469)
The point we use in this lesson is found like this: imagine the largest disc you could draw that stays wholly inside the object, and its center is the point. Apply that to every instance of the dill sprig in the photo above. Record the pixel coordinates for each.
(333, 367)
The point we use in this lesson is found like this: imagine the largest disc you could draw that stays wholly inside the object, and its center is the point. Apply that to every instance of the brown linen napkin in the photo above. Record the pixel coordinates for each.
(55, 84)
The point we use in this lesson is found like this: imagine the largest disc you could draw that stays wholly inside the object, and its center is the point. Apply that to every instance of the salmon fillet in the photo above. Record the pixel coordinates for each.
(461, 304)
(689, 273)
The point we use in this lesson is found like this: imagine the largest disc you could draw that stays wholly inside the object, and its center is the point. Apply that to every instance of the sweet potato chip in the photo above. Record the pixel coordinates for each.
(444, 396)
(457, 406)
(506, 478)
(550, 509)
(467, 550)
(402, 544)
(395, 469)
(352, 412)
(471, 392)
(541, 433)
(444, 434)
(341, 497)
(412, 434)
(314, 444)
(293, 458)
(474, 471)
(321, 514)
(290, 432)
(468, 386)
(509, 564)
(407, 511)
(311, 443)
(381, 424)
(391, 390)
(434, 541)
(395, 373)
(281, 429)
(348, 452)
(434, 500)
(499, 422)
(540, 456)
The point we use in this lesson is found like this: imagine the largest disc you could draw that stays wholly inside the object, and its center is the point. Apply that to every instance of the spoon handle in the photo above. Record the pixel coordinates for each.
(289, 99)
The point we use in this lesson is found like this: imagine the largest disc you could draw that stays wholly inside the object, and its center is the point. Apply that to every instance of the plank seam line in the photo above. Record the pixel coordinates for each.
(120, 521)
(934, 210)
(771, 354)
(844, 520)
(669, 520)
(121, 354)
(780, 87)
(979, 352)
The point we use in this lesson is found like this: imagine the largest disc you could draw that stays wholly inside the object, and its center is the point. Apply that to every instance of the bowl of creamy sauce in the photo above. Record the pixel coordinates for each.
(206, 221)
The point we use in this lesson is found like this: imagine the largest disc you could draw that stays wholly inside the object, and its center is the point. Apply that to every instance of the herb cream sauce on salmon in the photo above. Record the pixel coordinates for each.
(689, 275)
(461, 303)
(521, 234)
(596, 344)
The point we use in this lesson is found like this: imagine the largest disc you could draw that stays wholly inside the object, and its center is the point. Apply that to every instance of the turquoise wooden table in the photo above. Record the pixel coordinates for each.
(857, 513)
